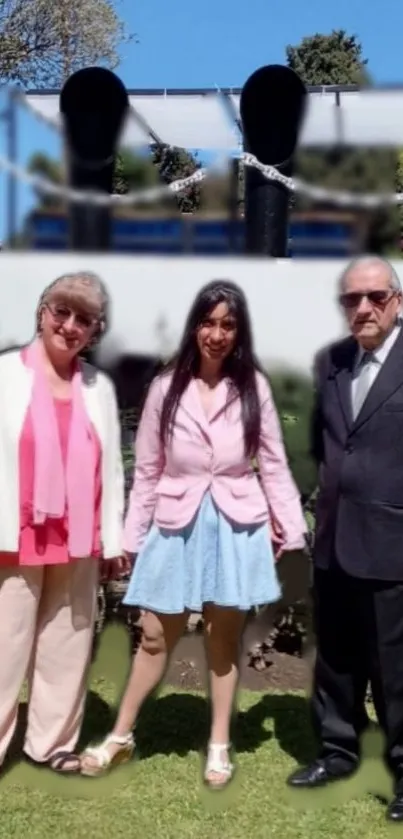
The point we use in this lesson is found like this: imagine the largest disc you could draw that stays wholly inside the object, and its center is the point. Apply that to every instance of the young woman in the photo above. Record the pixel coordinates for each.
(61, 517)
(202, 525)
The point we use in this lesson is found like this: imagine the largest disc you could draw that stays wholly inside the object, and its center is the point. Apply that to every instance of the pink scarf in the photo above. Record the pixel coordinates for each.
(57, 488)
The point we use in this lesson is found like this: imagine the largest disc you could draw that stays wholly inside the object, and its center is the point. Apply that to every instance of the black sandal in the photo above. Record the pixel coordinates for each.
(57, 763)
(59, 760)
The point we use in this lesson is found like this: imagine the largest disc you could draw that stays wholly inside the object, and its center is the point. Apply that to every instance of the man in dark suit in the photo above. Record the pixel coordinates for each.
(358, 551)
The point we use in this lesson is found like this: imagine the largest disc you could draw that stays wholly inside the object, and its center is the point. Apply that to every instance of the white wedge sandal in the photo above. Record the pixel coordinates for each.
(218, 764)
(103, 761)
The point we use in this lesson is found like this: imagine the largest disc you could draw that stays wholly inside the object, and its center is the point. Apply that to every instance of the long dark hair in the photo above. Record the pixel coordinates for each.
(240, 366)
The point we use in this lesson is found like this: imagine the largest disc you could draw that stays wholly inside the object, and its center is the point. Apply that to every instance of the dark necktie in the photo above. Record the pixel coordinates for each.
(363, 382)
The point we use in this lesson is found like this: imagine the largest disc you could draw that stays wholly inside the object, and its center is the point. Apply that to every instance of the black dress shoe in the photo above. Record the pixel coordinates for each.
(395, 810)
(319, 773)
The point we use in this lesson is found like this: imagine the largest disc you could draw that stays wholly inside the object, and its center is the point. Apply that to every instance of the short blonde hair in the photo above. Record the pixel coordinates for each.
(83, 291)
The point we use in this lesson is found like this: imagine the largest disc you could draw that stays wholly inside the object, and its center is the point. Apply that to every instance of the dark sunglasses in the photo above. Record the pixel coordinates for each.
(62, 313)
(352, 299)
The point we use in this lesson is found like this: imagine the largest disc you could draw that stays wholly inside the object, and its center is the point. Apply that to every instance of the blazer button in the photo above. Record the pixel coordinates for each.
(349, 449)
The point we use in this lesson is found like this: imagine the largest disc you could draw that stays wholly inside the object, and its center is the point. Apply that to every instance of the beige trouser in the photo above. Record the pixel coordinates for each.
(47, 617)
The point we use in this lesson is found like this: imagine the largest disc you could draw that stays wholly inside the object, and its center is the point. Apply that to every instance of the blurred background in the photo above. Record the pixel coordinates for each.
(350, 140)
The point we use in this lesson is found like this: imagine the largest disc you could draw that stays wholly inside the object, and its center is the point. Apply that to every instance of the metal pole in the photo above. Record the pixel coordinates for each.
(12, 181)
(233, 214)
(9, 116)
(272, 108)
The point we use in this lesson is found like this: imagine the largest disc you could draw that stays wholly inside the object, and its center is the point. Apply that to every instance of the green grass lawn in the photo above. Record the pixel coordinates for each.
(160, 794)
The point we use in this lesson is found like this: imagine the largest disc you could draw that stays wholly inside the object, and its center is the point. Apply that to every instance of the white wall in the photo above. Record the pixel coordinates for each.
(292, 302)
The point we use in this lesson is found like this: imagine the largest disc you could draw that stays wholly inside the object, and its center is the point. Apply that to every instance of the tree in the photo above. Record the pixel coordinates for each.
(174, 164)
(51, 170)
(337, 59)
(359, 171)
(132, 172)
(42, 42)
(329, 59)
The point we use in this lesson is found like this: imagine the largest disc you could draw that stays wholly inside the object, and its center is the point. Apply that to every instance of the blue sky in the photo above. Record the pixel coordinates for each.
(221, 43)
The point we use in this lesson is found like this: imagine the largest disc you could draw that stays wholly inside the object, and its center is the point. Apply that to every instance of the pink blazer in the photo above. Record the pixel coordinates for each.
(208, 454)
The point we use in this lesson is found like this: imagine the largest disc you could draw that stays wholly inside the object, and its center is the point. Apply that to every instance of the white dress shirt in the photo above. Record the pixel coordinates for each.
(379, 356)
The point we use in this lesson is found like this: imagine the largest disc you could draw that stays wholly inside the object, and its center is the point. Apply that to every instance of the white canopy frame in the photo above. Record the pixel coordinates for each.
(209, 120)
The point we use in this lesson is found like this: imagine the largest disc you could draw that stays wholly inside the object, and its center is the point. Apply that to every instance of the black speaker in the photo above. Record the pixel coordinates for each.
(94, 104)
(272, 109)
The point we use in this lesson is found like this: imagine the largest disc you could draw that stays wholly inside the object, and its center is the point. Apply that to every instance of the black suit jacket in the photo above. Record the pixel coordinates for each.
(359, 511)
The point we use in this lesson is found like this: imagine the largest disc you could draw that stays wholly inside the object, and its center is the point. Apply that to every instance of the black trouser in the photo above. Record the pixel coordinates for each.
(359, 629)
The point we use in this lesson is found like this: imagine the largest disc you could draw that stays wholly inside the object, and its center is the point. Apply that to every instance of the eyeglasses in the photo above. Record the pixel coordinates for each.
(62, 313)
(352, 299)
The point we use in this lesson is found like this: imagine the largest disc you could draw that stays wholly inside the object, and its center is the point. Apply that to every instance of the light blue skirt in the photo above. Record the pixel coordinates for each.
(211, 560)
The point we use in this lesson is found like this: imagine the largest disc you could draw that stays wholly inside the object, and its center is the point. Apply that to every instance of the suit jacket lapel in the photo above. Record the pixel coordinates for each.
(224, 396)
(343, 374)
(389, 379)
(192, 404)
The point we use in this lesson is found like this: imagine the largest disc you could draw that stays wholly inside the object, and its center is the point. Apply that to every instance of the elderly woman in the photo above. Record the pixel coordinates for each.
(206, 532)
(61, 509)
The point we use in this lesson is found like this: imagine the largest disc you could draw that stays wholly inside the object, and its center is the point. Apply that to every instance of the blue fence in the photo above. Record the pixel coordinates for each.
(317, 236)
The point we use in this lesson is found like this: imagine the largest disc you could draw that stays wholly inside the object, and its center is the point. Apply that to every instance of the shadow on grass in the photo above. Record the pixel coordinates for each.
(177, 723)
(292, 725)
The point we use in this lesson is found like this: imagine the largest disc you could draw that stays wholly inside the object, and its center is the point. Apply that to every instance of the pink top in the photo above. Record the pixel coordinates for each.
(47, 544)
(208, 453)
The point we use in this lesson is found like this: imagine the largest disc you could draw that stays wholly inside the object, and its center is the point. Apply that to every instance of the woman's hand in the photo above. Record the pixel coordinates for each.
(278, 550)
(278, 538)
(116, 567)
(127, 561)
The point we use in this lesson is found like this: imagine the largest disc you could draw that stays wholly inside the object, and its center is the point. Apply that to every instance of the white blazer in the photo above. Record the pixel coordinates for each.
(100, 400)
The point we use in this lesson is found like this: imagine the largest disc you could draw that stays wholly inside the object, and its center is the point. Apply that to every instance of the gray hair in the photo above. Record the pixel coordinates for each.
(86, 291)
(371, 259)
